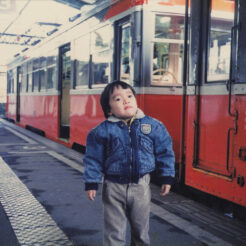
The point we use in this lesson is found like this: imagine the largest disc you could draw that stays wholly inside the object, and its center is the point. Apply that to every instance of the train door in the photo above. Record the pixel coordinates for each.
(163, 68)
(18, 89)
(65, 82)
(127, 52)
(213, 125)
(123, 50)
(239, 90)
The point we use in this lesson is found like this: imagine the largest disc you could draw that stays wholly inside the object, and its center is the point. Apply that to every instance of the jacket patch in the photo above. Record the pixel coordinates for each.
(146, 128)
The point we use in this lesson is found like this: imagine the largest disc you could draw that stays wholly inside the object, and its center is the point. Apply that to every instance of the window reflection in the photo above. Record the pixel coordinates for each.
(36, 65)
(10, 77)
(51, 69)
(42, 73)
(125, 53)
(51, 77)
(25, 74)
(66, 65)
(19, 79)
(29, 76)
(42, 79)
(82, 60)
(13, 90)
(168, 50)
(221, 22)
(101, 55)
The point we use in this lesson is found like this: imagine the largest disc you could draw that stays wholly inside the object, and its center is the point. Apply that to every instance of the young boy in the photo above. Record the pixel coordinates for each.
(125, 148)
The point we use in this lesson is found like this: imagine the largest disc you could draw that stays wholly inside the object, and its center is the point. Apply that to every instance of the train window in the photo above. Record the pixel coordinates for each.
(36, 66)
(51, 75)
(27, 82)
(10, 78)
(125, 53)
(101, 55)
(29, 76)
(51, 70)
(8, 82)
(42, 79)
(24, 82)
(168, 50)
(82, 54)
(36, 81)
(51, 59)
(42, 62)
(66, 66)
(12, 90)
(20, 77)
(42, 73)
(219, 48)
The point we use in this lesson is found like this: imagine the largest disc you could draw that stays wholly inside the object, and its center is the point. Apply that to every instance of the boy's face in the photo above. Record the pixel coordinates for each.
(122, 103)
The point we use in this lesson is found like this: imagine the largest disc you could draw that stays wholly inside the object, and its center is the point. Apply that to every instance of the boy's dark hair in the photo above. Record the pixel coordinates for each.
(108, 90)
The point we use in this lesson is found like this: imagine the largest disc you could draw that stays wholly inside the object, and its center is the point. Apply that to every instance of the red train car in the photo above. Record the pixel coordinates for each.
(185, 59)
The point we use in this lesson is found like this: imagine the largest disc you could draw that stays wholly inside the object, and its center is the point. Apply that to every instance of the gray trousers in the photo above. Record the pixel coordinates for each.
(124, 202)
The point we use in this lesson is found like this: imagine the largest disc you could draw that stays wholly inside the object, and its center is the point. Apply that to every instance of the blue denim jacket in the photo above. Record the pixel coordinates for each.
(124, 153)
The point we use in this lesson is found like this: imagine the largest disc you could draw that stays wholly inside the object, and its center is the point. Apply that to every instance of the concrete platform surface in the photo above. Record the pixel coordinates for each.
(42, 201)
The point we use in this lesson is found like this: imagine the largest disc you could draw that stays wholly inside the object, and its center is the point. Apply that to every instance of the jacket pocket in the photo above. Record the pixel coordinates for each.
(114, 145)
(116, 158)
(146, 155)
(146, 144)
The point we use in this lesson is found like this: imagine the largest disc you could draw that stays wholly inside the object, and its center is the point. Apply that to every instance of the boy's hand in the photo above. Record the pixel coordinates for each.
(165, 188)
(91, 194)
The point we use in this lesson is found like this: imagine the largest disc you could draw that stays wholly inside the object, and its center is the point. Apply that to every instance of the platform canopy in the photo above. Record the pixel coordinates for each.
(25, 23)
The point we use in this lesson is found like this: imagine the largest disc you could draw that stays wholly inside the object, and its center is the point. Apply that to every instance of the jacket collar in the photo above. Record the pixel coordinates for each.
(139, 115)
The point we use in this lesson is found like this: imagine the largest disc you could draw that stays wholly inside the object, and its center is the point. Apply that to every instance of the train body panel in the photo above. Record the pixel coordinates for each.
(214, 122)
(212, 153)
(11, 107)
(167, 109)
(122, 6)
(239, 151)
(86, 113)
(41, 112)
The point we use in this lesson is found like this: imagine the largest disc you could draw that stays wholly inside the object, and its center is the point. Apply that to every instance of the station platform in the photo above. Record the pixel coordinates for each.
(42, 202)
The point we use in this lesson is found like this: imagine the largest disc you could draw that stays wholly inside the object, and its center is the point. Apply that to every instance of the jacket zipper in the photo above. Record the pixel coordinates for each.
(131, 160)
(129, 129)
